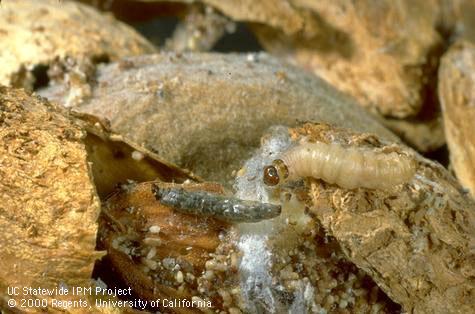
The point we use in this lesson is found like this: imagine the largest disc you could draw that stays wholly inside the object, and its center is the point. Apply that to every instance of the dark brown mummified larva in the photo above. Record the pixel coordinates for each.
(229, 209)
(347, 167)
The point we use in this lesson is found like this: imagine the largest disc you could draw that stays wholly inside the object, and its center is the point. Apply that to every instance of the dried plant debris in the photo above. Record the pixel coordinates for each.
(414, 239)
(207, 112)
(49, 206)
(457, 96)
(286, 263)
(43, 40)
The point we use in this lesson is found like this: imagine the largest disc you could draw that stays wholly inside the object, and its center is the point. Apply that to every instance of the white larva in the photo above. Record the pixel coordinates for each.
(348, 167)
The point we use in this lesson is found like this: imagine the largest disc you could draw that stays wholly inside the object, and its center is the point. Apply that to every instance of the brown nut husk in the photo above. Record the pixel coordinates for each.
(207, 112)
(39, 40)
(457, 96)
(415, 240)
(273, 266)
(49, 201)
(49, 205)
(362, 49)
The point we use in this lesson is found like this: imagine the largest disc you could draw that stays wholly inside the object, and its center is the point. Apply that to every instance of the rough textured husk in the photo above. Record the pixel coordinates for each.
(384, 55)
(48, 202)
(207, 112)
(39, 33)
(379, 54)
(52, 161)
(415, 240)
(457, 96)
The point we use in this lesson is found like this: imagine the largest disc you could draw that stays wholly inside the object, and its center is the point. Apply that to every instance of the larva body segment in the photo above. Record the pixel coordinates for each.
(347, 167)
(229, 209)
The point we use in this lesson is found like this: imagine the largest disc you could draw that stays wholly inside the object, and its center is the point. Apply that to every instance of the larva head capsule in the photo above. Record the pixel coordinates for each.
(275, 174)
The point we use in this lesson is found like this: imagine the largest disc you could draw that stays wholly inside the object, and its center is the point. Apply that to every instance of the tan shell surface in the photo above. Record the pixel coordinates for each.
(37, 32)
(379, 54)
(207, 112)
(48, 202)
(457, 96)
